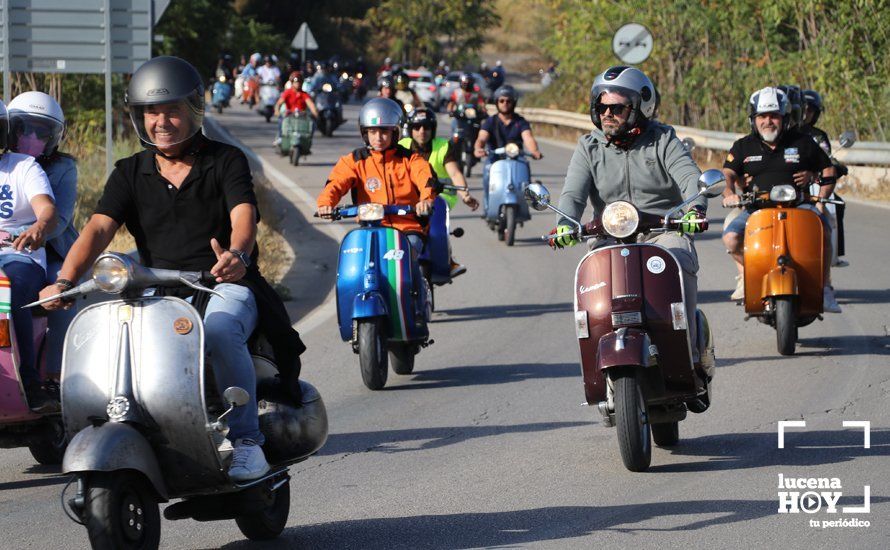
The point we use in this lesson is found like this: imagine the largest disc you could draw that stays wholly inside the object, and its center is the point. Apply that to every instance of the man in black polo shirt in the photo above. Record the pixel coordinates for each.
(772, 154)
(500, 129)
(189, 203)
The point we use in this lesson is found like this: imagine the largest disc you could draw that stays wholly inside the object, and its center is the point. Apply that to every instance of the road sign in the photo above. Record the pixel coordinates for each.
(632, 43)
(304, 39)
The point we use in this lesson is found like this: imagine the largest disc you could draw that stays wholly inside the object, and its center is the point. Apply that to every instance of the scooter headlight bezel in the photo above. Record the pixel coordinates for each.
(326, 87)
(511, 150)
(112, 274)
(370, 212)
(782, 193)
(470, 112)
(620, 219)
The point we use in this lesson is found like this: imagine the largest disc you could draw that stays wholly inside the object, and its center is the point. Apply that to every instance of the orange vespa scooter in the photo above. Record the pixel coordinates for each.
(784, 262)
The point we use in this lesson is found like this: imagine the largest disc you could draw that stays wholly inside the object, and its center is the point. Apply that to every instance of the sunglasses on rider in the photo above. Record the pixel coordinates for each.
(424, 125)
(505, 100)
(615, 108)
(39, 130)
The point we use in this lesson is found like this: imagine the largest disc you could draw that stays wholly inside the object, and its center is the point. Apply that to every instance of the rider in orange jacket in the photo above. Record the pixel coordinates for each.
(383, 172)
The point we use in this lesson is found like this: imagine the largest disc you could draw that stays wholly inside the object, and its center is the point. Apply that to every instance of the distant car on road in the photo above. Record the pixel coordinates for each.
(452, 82)
(423, 84)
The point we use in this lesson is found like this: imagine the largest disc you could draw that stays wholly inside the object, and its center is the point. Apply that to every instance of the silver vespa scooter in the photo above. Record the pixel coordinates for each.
(147, 426)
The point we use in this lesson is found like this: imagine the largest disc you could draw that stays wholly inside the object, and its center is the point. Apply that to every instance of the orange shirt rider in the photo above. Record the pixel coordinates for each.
(392, 176)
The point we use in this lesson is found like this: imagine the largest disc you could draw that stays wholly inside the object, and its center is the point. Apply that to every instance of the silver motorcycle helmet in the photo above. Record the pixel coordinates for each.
(380, 112)
(39, 115)
(631, 83)
(166, 80)
(768, 100)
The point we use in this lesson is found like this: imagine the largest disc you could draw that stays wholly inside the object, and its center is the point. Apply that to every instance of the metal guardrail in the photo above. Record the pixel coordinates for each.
(863, 153)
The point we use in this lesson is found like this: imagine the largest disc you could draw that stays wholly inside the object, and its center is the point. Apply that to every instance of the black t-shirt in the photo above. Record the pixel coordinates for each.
(501, 134)
(173, 227)
(769, 167)
(819, 136)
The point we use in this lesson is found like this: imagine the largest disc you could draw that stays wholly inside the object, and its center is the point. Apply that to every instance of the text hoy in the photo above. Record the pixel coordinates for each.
(810, 501)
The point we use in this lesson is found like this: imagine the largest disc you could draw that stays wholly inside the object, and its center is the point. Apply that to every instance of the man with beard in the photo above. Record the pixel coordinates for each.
(629, 156)
(773, 154)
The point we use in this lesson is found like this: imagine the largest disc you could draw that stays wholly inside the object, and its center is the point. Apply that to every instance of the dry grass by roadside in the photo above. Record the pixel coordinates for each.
(84, 142)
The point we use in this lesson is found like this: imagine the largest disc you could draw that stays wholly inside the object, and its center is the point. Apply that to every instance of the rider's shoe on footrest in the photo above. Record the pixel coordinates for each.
(248, 460)
(829, 303)
(40, 401)
(457, 269)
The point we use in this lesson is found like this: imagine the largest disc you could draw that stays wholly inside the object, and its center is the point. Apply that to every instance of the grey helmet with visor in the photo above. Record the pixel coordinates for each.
(380, 112)
(631, 83)
(166, 80)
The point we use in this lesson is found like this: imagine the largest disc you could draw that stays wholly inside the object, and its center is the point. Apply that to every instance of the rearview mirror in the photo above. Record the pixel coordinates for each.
(711, 183)
(847, 139)
(688, 143)
(235, 396)
(537, 195)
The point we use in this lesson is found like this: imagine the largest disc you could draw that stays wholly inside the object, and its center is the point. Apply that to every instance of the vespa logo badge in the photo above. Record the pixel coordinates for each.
(372, 184)
(182, 326)
(585, 289)
(118, 407)
(655, 265)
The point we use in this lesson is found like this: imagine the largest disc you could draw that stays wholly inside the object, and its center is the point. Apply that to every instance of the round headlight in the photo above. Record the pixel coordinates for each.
(222, 78)
(111, 274)
(471, 112)
(327, 87)
(512, 150)
(620, 219)
(782, 193)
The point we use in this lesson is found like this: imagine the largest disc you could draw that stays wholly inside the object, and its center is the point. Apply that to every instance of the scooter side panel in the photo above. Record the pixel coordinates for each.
(505, 173)
(353, 262)
(643, 272)
(397, 267)
(436, 250)
(800, 231)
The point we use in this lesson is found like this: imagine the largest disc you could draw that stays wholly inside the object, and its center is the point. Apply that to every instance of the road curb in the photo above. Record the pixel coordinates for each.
(325, 310)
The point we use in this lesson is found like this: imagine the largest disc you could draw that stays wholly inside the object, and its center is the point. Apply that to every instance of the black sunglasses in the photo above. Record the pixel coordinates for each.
(505, 100)
(419, 125)
(616, 108)
(41, 131)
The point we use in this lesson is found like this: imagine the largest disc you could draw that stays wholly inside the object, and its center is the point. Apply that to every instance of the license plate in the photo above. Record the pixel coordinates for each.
(627, 318)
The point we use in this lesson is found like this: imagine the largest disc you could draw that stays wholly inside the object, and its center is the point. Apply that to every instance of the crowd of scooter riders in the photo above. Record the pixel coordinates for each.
(404, 181)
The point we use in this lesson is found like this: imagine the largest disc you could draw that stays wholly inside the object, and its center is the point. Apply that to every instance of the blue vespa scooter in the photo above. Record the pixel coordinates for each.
(221, 92)
(382, 299)
(507, 179)
(435, 261)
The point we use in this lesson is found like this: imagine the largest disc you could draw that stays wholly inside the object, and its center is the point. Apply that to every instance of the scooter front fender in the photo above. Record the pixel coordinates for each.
(369, 304)
(779, 281)
(624, 347)
(110, 447)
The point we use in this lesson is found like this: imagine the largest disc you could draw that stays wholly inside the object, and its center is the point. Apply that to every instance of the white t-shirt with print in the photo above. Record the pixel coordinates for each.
(21, 179)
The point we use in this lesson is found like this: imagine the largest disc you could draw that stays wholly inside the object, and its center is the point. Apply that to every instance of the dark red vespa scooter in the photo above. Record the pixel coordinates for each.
(630, 319)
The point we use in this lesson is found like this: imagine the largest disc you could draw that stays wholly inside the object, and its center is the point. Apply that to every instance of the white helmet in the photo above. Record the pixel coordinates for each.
(769, 100)
(39, 114)
(631, 83)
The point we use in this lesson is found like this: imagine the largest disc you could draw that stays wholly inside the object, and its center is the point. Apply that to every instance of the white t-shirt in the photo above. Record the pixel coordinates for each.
(21, 179)
(268, 73)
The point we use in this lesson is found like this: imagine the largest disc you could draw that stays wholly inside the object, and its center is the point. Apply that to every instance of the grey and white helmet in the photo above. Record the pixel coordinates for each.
(768, 100)
(380, 112)
(165, 80)
(631, 83)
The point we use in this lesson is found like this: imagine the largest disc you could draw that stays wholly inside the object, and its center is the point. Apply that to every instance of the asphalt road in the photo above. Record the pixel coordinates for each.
(487, 444)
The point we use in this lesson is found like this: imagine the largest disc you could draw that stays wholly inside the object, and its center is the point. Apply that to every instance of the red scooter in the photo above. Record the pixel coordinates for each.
(630, 320)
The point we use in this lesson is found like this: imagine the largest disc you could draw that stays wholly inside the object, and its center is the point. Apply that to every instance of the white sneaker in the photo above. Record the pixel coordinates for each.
(841, 263)
(829, 304)
(739, 293)
(248, 461)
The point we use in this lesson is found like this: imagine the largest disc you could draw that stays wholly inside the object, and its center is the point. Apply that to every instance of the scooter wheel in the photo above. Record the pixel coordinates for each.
(372, 353)
(219, 109)
(401, 357)
(786, 326)
(666, 435)
(50, 449)
(634, 442)
(270, 522)
(295, 156)
(121, 511)
(510, 225)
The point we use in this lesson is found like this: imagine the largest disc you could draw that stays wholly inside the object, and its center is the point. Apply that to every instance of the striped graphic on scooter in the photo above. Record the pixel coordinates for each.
(395, 277)
(5, 295)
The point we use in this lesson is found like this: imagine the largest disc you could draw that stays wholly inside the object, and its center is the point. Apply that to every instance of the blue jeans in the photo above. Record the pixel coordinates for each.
(26, 280)
(228, 325)
(486, 170)
(57, 320)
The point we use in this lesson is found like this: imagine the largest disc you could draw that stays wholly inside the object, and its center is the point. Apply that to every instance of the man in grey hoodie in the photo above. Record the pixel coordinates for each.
(631, 157)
